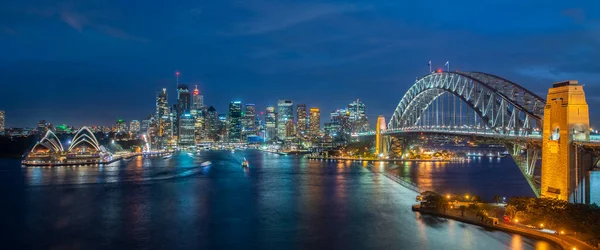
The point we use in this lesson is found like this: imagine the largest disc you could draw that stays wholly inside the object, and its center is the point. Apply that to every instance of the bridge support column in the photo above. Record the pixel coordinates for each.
(566, 120)
(380, 140)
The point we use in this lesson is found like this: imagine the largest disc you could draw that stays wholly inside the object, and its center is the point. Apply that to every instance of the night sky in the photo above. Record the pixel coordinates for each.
(93, 62)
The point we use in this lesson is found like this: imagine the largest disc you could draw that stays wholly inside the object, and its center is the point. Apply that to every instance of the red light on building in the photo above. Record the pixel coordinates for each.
(262, 113)
(177, 73)
(196, 92)
(438, 71)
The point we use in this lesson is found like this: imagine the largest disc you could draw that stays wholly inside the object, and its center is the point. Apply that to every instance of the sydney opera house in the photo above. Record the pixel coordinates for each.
(83, 149)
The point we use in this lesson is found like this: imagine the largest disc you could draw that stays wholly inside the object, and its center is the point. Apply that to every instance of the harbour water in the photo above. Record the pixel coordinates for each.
(279, 202)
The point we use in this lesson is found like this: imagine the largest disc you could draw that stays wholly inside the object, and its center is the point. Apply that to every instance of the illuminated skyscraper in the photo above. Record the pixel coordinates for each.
(197, 101)
(290, 129)
(270, 123)
(134, 126)
(162, 112)
(234, 118)
(248, 124)
(145, 126)
(357, 117)
(198, 113)
(186, 130)
(212, 124)
(356, 110)
(2, 121)
(121, 126)
(301, 122)
(183, 104)
(315, 122)
(284, 114)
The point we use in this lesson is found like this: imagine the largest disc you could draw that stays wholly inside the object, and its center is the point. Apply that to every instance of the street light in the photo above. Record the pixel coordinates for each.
(542, 225)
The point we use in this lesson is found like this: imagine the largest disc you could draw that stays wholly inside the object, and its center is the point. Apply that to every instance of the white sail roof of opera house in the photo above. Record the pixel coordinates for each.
(49, 141)
(85, 136)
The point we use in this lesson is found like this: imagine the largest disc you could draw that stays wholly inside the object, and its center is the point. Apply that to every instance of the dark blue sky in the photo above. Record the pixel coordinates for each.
(93, 62)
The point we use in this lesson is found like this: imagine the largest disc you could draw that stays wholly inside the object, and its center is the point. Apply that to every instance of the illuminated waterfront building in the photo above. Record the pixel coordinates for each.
(357, 117)
(284, 114)
(270, 123)
(301, 121)
(83, 149)
(134, 126)
(315, 122)
(234, 118)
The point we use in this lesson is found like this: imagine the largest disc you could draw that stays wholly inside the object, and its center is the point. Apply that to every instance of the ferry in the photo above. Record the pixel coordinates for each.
(245, 163)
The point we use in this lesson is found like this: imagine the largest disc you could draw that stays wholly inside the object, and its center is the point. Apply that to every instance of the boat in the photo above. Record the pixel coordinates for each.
(190, 154)
(206, 164)
(245, 163)
(233, 151)
(167, 156)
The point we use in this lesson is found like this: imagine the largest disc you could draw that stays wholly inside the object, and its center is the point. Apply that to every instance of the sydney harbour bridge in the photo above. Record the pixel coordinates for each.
(492, 109)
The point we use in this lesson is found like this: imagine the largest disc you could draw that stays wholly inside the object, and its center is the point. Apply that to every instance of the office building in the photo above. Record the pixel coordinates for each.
(301, 121)
(315, 122)
(134, 126)
(212, 124)
(248, 120)
(270, 123)
(183, 104)
(121, 126)
(234, 117)
(284, 114)
(186, 130)
(145, 126)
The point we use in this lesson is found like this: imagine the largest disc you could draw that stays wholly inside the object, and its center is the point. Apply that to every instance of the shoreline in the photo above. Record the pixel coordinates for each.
(559, 241)
(382, 160)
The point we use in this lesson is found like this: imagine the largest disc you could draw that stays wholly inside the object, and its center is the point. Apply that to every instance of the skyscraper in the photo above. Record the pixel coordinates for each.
(42, 127)
(186, 130)
(248, 125)
(197, 101)
(183, 106)
(356, 110)
(121, 126)
(284, 113)
(234, 118)
(315, 122)
(183, 100)
(134, 126)
(2, 121)
(162, 111)
(145, 126)
(212, 124)
(270, 123)
(301, 122)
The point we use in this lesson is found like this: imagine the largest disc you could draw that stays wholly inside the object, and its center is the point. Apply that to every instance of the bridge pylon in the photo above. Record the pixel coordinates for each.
(566, 121)
(380, 140)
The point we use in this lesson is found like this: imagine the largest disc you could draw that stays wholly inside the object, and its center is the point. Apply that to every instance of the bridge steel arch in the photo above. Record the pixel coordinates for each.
(504, 106)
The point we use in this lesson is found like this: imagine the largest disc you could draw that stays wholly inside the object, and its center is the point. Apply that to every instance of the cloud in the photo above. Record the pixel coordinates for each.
(275, 17)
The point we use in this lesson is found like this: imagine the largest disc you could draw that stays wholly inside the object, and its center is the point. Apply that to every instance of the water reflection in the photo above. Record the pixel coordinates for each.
(278, 203)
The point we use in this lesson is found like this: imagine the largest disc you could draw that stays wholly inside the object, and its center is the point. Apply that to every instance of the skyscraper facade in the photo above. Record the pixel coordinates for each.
(197, 101)
(284, 114)
(301, 121)
(121, 126)
(145, 125)
(197, 111)
(248, 123)
(357, 117)
(270, 123)
(234, 118)
(162, 111)
(186, 130)
(212, 124)
(184, 103)
(315, 122)
(134, 126)
(2, 128)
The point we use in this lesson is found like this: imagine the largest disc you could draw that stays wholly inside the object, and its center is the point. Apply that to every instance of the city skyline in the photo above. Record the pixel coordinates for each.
(112, 67)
